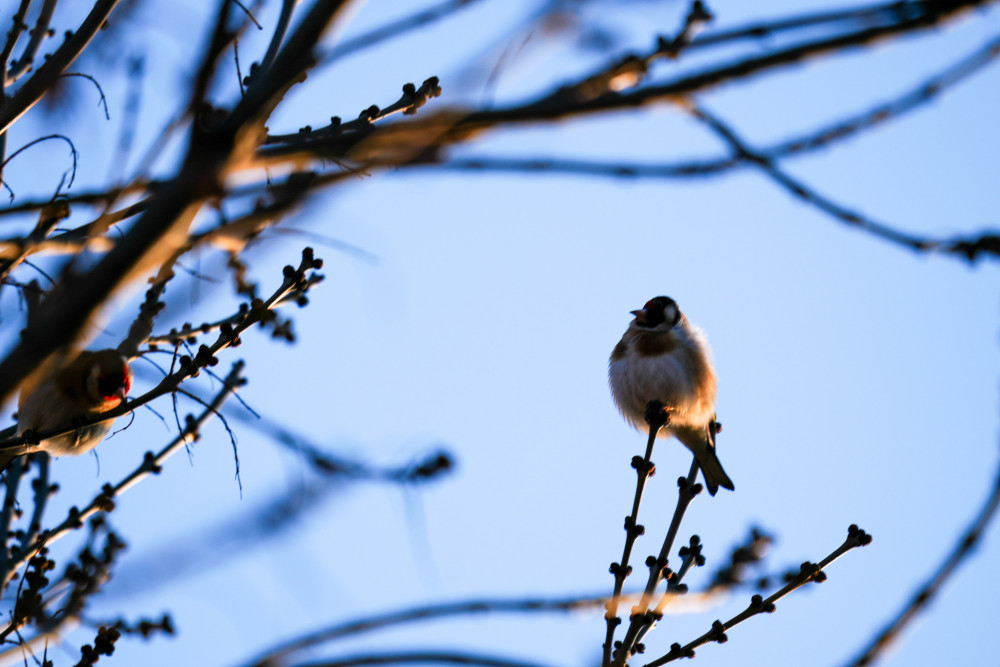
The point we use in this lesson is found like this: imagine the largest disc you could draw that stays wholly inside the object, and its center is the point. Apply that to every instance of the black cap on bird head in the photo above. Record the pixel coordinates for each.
(657, 311)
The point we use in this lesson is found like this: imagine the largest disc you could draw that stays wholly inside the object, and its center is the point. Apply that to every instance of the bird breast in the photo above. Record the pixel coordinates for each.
(664, 366)
(77, 442)
(47, 407)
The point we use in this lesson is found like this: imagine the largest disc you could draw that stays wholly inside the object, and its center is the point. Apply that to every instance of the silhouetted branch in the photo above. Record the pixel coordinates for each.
(100, 91)
(758, 605)
(970, 249)
(641, 619)
(656, 418)
(396, 28)
(959, 553)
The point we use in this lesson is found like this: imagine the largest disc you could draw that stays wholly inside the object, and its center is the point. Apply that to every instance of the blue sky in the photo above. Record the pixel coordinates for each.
(858, 381)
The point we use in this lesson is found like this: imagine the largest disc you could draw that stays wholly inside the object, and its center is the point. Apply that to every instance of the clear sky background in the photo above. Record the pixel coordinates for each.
(857, 380)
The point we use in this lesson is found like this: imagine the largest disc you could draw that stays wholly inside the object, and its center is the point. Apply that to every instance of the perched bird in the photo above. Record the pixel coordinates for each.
(91, 384)
(663, 357)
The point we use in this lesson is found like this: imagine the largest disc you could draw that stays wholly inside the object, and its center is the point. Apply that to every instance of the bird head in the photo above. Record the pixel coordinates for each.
(109, 378)
(660, 313)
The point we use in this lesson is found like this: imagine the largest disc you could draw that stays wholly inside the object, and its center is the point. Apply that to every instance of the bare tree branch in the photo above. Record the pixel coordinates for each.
(758, 605)
(962, 550)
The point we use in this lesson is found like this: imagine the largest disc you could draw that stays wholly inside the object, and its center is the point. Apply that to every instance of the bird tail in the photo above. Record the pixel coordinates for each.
(702, 445)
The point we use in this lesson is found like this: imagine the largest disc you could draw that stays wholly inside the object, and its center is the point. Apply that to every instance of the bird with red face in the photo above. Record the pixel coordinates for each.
(93, 383)
(663, 357)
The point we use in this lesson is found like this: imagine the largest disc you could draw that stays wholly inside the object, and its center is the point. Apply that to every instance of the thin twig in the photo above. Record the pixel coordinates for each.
(656, 418)
(294, 280)
(151, 464)
(103, 101)
(641, 620)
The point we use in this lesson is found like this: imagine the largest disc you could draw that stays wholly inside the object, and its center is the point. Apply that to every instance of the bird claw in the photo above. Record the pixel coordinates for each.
(657, 414)
(30, 437)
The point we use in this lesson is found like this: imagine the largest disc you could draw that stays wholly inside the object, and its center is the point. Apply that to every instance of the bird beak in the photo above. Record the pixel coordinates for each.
(639, 315)
(120, 393)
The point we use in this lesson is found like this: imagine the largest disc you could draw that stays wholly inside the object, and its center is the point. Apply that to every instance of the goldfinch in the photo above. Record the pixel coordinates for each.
(93, 383)
(663, 357)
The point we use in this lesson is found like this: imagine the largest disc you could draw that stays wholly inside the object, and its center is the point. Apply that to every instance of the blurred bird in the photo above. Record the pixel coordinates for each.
(663, 357)
(93, 383)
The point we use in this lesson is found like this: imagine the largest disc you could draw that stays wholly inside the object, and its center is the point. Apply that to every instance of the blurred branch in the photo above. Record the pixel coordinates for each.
(966, 544)
(450, 127)
(216, 147)
(423, 658)
(278, 654)
(857, 16)
(280, 28)
(396, 28)
(37, 34)
(18, 26)
(50, 216)
(824, 137)
(758, 605)
(216, 545)
(32, 90)
(971, 249)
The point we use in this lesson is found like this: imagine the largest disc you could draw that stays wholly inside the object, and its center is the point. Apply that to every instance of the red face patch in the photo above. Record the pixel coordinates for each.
(109, 385)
